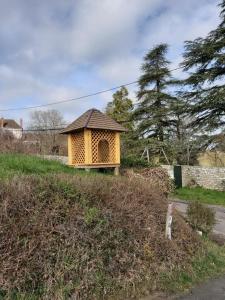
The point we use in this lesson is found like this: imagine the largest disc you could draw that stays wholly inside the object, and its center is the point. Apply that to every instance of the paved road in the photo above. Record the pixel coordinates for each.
(211, 290)
(219, 228)
(214, 289)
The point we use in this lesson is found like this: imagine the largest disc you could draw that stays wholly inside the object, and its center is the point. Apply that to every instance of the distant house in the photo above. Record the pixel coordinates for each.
(11, 126)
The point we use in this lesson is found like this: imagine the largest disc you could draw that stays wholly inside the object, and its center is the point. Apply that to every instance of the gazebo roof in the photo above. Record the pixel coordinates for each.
(93, 119)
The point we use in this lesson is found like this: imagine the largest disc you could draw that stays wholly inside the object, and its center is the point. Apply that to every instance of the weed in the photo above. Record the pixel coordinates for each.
(201, 217)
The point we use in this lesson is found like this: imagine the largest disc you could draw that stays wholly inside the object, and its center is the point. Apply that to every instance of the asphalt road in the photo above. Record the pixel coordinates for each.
(211, 290)
(219, 227)
(214, 289)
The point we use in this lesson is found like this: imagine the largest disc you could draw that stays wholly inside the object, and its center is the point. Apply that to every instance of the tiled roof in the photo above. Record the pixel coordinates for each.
(9, 123)
(94, 119)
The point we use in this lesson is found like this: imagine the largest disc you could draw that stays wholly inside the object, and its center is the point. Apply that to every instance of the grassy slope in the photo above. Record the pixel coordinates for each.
(202, 195)
(16, 164)
(202, 266)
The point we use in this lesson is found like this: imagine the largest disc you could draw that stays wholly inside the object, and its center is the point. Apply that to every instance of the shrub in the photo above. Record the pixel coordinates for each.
(201, 217)
(133, 161)
(156, 176)
(86, 237)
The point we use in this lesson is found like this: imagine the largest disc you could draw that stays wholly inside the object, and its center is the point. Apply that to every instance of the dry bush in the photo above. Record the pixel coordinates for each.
(50, 142)
(156, 176)
(9, 144)
(201, 217)
(34, 143)
(86, 237)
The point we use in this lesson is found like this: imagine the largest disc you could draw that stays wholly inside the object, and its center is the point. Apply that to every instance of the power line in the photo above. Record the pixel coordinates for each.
(78, 98)
(43, 129)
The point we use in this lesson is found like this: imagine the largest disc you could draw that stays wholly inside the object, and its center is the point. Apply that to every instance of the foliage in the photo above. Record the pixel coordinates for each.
(132, 161)
(207, 91)
(200, 217)
(201, 195)
(153, 111)
(120, 109)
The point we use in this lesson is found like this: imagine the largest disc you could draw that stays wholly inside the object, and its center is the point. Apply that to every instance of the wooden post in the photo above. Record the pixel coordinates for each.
(116, 171)
(70, 155)
(169, 219)
(117, 142)
(87, 146)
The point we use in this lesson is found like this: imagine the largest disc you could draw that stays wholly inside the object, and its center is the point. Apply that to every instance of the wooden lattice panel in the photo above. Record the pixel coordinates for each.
(78, 152)
(103, 146)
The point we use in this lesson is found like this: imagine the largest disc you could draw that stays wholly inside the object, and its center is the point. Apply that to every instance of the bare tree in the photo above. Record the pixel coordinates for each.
(47, 125)
(48, 119)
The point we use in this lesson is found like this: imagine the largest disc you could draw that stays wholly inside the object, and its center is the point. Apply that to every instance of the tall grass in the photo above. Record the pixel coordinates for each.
(17, 164)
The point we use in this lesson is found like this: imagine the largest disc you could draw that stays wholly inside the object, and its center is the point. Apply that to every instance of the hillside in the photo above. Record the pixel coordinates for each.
(66, 234)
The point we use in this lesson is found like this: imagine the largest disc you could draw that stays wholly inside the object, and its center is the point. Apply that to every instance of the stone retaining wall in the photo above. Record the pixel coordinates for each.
(207, 177)
(62, 159)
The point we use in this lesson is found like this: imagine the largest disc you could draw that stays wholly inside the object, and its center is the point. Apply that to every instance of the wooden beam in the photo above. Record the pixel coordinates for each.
(117, 146)
(95, 166)
(87, 146)
(70, 157)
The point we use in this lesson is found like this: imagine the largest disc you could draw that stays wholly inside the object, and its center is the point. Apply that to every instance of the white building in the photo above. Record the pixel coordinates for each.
(11, 126)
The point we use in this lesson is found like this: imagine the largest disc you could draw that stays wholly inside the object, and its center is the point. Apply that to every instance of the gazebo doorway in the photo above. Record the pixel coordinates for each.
(103, 151)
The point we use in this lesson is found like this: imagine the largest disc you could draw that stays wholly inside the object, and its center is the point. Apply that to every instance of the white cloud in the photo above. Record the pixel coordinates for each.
(46, 45)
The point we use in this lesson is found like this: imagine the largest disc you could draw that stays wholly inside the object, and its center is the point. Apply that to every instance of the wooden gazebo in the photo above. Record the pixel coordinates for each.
(94, 141)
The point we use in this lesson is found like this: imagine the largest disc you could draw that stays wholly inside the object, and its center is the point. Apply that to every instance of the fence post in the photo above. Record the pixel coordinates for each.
(169, 219)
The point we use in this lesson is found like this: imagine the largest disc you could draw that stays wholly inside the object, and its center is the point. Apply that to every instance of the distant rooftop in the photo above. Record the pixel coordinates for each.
(94, 119)
(9, 123)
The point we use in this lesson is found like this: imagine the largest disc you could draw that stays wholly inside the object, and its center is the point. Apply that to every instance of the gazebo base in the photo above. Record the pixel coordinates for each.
(87, 167)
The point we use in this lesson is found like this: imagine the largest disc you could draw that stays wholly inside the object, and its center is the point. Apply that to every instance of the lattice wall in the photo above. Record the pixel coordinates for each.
(108, 153)
(78, 152)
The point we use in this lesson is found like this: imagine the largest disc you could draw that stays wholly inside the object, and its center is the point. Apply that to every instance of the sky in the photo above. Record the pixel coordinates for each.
(51, 50)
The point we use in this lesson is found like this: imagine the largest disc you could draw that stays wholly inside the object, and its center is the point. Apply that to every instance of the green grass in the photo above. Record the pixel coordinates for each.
(202, 195)
(204, 266)
(16, 164)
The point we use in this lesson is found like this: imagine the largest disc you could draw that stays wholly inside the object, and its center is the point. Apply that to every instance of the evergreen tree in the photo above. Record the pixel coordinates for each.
(153, 111)
(206, 83)
(120, 109)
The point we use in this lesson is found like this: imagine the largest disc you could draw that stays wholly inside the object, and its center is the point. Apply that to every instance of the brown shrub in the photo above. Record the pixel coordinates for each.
(33, 143)
(157, 177)
(201, 217)
(86, 237)
(9, 144)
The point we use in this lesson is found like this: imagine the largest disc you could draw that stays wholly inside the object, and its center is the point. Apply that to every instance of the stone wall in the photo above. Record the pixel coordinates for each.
(169, 169)
(207, 177)
(62, 159)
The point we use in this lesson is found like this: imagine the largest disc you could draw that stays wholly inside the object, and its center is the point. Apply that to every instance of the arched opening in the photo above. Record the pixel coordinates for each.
(103, 151)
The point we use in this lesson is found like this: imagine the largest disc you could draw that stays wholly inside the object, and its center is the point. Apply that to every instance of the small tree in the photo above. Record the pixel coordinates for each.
(47, 124)
(120, 109)
(153, 111)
